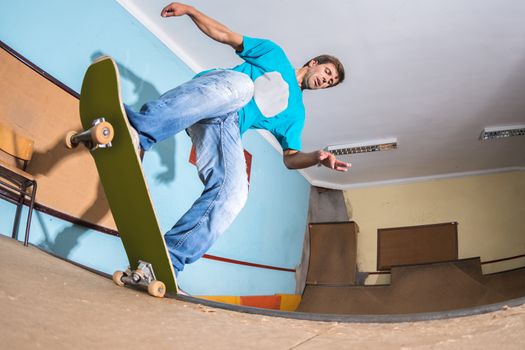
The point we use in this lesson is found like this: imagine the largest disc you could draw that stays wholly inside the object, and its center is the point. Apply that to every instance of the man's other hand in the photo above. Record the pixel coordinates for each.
(330, 161)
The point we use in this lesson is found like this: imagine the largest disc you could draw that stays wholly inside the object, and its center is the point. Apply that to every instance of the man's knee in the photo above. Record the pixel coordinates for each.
(243, 86)
(237, 196)
(240, 196)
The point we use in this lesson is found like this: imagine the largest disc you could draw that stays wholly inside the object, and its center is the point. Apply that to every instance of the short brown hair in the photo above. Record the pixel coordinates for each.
(323, 59)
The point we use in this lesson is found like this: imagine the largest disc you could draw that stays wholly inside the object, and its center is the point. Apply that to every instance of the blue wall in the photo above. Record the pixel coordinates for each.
(62, 37)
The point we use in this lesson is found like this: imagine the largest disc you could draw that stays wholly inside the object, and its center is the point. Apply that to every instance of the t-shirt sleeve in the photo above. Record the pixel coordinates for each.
(290, 137)
(254, 48)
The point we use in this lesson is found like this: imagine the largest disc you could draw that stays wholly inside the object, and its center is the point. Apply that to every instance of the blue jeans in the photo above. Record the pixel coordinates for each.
(207, 108)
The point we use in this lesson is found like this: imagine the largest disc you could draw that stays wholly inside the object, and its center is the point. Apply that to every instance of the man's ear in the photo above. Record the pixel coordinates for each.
(312, 63)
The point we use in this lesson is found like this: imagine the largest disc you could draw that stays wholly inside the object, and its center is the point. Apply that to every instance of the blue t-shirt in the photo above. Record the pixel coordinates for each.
(277, 105)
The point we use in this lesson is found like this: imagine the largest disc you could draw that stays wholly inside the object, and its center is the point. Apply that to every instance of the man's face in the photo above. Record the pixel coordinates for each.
(320, 76)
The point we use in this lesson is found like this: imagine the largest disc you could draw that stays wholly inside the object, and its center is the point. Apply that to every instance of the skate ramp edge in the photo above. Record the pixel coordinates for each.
(37, 266)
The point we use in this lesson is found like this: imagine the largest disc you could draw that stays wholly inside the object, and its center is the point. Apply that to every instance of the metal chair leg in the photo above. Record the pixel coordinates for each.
(19, 207)
(29, 215)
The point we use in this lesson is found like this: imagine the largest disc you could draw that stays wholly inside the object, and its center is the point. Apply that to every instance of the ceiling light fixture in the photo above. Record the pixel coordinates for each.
(500, 132)
(363, 147)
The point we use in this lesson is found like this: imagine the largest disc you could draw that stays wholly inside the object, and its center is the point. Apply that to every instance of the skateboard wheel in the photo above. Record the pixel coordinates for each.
(69, 143)
(157, 289)
(117, 278)
(102, 133)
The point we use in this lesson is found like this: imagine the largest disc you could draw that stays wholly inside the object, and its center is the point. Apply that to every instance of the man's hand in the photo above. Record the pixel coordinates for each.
(298, 160)
(213, 29)
(175, 9)
(330, 161)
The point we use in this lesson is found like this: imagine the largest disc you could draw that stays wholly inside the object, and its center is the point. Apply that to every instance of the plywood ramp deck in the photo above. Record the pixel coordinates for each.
(50, 304)
(419, 289)
(414, 289)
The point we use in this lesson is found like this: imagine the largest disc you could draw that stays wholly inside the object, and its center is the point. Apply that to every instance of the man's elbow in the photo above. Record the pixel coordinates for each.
(288, 163)
(293, 164)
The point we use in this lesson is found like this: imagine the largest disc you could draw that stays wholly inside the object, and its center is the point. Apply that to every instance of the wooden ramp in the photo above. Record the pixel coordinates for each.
(429, 288)
(333, 248)
(48, 303)
(331, 286)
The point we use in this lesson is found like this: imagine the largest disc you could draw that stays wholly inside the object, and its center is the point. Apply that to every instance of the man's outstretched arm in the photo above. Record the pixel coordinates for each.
(299, 160)
(207, 25)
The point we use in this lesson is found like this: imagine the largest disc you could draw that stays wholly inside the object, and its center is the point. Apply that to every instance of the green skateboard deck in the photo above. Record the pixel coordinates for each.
(120, 172)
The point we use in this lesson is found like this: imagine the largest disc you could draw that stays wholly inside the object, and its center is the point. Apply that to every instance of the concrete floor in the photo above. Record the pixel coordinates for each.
(51, 304)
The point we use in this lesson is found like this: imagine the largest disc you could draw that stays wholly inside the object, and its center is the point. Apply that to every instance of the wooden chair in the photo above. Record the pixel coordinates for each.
(14, 180)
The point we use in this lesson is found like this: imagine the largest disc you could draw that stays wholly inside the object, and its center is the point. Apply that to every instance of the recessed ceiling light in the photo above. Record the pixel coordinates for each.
(363, 147)
(499, 132)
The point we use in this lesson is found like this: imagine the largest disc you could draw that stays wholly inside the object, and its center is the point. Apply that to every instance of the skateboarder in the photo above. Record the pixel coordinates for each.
(216, 108)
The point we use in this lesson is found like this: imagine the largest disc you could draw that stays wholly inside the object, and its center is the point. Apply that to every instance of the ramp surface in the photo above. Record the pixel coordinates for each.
(48, 303)
(414, 289)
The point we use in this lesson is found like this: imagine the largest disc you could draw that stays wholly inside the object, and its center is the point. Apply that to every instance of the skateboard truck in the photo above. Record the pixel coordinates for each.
(143, 277)
(99, 135)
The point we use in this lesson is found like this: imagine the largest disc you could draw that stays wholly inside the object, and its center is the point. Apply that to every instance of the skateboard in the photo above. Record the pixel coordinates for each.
(106, 134)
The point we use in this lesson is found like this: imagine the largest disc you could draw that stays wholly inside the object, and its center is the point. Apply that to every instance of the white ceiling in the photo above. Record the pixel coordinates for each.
(431, 73)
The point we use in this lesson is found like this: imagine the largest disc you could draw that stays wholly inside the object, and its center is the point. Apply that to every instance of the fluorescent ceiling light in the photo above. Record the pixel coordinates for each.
(363, 147)
(499, 132)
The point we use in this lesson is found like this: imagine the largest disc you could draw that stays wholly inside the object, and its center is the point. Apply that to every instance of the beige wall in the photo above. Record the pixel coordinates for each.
(490, 210)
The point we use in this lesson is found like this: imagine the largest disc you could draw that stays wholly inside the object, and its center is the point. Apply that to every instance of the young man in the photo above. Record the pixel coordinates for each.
(215, 108)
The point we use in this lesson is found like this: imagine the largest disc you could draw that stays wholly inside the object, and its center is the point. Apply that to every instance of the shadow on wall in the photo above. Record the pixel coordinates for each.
(43, 162)
(67, 239)
(146, 91)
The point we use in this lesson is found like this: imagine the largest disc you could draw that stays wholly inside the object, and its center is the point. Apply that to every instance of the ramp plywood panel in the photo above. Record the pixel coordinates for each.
(67, 179)
(416, 245)
(333, 250)
(414, 289)
(353, 300)
(438, 287)
(510, 283)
